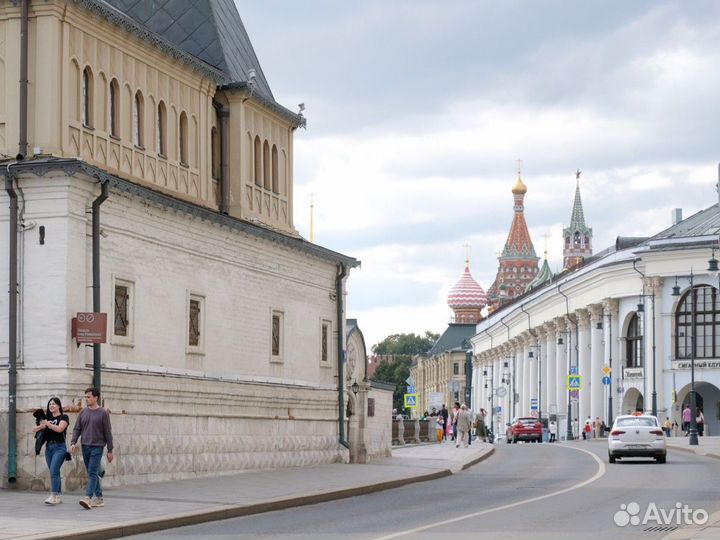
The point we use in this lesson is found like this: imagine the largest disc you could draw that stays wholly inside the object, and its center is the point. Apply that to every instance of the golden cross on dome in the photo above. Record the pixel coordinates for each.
(519, 162)
(577, 174)
(546, 236)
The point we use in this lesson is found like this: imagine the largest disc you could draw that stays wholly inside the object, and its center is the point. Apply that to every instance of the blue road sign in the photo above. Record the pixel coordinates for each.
(606, 380)
(410, 401)
(533, 404)
(573, 370)
(410, 389)
(498, 409)
(574, 382)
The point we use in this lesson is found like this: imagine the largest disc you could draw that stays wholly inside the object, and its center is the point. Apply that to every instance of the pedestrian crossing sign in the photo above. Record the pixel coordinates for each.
(410, 401)
(574, 382)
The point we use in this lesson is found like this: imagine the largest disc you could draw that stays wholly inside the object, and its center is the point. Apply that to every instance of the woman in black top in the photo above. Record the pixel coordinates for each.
(54, 425)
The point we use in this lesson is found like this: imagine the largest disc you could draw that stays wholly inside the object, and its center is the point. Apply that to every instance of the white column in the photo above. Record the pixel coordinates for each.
(610, 308)
(497, 370)
(561, 366)
(663, 409)
(519, 379)
(549, 362)
(584, 357)
(533, 365)
(597, 352)
(525, 398)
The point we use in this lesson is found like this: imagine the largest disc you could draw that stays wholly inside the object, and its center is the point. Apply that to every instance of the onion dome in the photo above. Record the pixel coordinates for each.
(467, 293)
(519, 188)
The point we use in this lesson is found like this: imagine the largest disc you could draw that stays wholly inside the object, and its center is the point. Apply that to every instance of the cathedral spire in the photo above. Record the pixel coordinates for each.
(577, 219)
(577, 236)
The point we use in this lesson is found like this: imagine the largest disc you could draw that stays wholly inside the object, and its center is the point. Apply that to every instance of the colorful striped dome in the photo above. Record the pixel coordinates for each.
(467, 293)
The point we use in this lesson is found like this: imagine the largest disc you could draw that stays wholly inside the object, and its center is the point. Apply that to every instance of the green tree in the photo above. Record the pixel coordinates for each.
(395, 370)
(406, 344)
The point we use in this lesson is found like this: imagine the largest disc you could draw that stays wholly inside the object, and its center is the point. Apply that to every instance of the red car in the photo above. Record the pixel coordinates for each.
(524, 429)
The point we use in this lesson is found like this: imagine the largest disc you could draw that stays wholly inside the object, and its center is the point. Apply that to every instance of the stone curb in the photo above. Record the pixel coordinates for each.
(691, 451)
(221, 512)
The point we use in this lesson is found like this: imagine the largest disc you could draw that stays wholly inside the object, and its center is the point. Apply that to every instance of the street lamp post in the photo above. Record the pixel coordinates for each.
(569, 428)
(610, 388)
(539, 360)
(693, 434)
(489, 381)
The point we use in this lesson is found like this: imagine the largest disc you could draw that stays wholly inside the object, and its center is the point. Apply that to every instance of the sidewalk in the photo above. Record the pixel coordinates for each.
(708, 447)
(151, 507)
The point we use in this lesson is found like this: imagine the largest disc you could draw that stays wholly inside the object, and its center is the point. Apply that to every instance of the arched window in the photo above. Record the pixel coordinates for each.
(161, 139)
(183, 138)
(577, 237)
(266, 166)
(275, 184)
(706, 323)
(114, 119)
(634, 343)
(258, 162)
(87, 97)
(138, 119)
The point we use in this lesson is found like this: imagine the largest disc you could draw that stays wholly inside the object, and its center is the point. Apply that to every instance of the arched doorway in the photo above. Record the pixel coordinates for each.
(707, 398)
(632, 401)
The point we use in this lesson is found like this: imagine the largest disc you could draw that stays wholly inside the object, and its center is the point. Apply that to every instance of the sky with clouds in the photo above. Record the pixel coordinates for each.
(418, 111)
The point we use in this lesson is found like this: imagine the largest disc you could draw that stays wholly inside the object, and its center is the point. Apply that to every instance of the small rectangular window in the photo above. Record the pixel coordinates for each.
(325, 335)
(122, 320)
(194, 323)
(456, 369)
(123, 293)
(276, 336)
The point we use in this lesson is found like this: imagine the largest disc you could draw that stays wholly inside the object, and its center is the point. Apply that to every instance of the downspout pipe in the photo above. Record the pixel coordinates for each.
(12, 329)
(23, 144)
(224, 114)
(341, 273)
(97, 360)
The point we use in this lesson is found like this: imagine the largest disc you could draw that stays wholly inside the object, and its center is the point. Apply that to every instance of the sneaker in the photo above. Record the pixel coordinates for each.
(51, 500)
(96, 502)
(86, 503)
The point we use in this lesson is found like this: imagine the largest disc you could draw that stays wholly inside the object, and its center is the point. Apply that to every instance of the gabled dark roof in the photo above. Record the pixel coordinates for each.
(703, 223)
(210, 30)
(453, 338)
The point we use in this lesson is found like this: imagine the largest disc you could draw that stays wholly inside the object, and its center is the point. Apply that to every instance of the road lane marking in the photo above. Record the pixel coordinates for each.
(600, 472)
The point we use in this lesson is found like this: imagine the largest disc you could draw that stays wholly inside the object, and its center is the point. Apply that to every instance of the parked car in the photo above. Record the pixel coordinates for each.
(524, 429)
(637, 436)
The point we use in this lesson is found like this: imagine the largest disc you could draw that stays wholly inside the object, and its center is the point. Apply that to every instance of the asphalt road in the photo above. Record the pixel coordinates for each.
(523, 491)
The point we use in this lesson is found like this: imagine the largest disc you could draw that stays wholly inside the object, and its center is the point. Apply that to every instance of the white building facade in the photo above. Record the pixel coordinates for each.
(588, 323)
(226, 335)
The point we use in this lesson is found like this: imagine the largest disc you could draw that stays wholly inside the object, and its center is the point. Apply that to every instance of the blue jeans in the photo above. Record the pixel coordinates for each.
(91, 457)
(54, 457)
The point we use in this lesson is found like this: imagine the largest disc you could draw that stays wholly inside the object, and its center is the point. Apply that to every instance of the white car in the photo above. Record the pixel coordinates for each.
(637, 436)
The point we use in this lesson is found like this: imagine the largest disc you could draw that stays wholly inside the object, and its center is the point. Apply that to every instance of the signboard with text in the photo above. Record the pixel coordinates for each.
(90, 328)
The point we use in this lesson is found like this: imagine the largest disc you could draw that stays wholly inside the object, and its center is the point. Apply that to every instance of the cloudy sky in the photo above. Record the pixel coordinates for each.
(418, 111)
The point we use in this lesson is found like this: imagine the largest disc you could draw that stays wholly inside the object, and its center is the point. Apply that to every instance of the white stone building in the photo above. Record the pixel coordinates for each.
(226, 329)
(588, 319)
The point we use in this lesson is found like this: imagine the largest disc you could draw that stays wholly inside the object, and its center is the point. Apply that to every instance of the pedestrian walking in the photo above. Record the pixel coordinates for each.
(94, 430)
(700, 421)
(552, 426)
(598, 427)
(587, 430)
(463, 425)
(481, 429)
(686, 416)
(667, 427)
(455, 411)
(54, 427)
(445, 414)
(440, 428)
